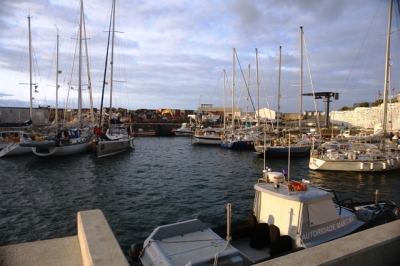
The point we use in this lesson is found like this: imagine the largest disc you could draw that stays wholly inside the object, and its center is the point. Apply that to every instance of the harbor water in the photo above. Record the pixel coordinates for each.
(163, 180)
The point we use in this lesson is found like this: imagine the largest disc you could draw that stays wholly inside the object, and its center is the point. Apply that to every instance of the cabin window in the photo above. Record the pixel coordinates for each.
(320, 212)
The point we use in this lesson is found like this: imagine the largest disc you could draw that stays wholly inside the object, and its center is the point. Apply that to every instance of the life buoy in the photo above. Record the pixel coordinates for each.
(200, 133)
(298, 186)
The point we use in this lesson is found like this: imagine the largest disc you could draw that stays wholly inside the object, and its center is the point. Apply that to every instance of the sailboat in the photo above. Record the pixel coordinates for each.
(242, 139)
(67, 141)
(361, 157)
(116, 139)
(299, 146)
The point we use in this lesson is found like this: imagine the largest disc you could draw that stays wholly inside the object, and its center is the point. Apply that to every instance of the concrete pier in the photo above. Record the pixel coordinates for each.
(96, 245)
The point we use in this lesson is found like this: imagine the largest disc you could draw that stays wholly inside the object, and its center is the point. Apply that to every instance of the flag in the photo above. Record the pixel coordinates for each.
(379, 94)
(392, 89)
(106, 82)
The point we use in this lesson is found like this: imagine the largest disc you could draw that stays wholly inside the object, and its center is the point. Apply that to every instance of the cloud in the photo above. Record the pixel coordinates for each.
(168, 53)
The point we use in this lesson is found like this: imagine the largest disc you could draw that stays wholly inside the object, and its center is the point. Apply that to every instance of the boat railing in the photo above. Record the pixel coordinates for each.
(341, 203)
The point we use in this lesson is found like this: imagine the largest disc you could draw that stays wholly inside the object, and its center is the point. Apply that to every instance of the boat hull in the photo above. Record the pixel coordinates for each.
(183, 133)
(240, 145)
(206, 140)
(380, 165)
(281, 151)
(62, 150)
(14, 149)
(110, 147)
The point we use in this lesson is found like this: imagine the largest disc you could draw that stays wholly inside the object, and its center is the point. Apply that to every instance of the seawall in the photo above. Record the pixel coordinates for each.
(368, 117)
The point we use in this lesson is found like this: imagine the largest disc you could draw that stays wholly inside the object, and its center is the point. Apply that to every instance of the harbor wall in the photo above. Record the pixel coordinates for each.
(368, 117)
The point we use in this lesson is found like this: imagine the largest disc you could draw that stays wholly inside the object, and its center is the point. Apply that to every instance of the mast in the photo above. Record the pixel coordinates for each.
(279, 90)
(233, 88)
(112, 59)
(301, 74)
(88, 73)
(248, 94)
(258, 90)
(386, 82)
(30, 67)
(80, 68)
(224, 73)
(58, 37)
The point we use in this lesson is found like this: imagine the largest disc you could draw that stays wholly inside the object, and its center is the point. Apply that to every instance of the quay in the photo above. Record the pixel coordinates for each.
(96, 245)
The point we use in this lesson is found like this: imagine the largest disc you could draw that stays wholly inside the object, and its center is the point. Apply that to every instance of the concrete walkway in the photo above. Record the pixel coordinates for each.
(95, 244)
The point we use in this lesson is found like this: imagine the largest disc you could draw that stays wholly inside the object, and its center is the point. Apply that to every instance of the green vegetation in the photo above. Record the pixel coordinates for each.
(366, 104)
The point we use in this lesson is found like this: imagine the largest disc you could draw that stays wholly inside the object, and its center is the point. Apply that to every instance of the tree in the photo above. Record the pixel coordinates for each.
(363, 104)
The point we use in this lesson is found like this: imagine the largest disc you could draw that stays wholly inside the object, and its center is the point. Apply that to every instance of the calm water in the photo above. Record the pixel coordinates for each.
(164, 180)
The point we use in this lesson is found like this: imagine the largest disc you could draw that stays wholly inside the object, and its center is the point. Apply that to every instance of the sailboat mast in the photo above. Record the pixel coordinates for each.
(386, 82)
(258, 90)
(112, 57)
(88, 73)
(233, 88)
(301, 75)
(30, 66)
(58, 37)
(80, 68)
(279, 90)
(224, 73)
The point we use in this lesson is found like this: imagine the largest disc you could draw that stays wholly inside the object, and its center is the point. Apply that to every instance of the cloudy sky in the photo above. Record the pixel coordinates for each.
(172, 53)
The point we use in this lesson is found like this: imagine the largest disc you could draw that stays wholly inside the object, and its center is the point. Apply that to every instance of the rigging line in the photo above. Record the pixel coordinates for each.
(105, 71)
(217, 84)
(241, 71)
(311, 82)
(358, 54)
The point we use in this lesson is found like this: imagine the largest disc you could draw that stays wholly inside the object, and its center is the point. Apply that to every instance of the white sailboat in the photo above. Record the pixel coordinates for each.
(68, 141)
(116, 139)
(361, 158)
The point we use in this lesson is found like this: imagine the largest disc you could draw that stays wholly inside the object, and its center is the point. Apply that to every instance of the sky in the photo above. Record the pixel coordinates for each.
(173, 53)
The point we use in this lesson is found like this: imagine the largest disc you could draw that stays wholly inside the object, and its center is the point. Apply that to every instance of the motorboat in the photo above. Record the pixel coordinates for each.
(184, 130)
(287, 216)
(208, 136)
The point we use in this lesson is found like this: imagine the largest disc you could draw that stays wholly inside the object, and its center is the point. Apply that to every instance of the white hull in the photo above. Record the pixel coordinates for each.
(183, 133)
(110, 147)
(207, 140)
(378, 165)
(68, 149)
(14, 149)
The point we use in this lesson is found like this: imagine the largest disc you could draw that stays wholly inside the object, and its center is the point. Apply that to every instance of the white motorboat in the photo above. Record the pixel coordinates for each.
(287, 216)
(184, 130)
(208, 136)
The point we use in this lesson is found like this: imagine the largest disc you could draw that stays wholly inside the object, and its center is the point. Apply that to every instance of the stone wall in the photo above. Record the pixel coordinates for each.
(368, 117)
